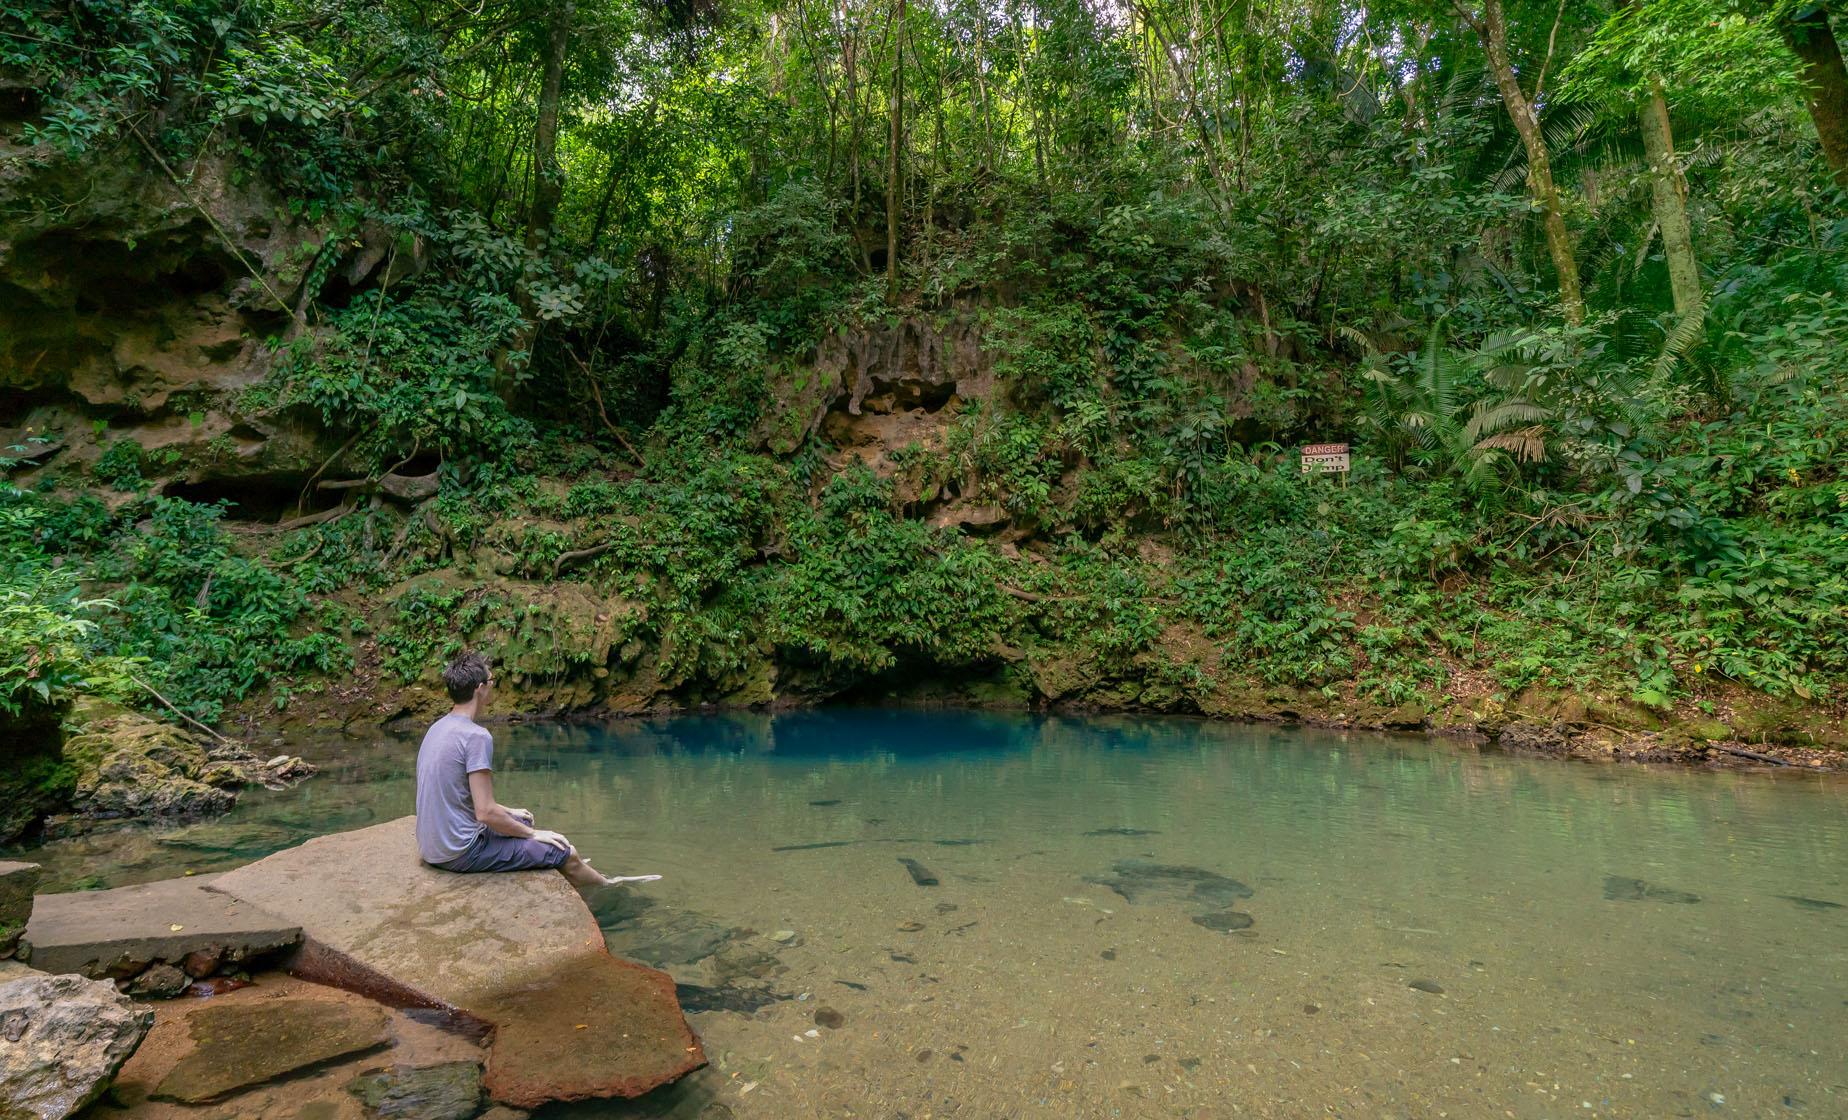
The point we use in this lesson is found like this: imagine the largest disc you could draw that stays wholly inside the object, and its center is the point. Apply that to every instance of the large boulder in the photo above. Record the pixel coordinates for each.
(127, 765)
(131, 766)
(62, 1040)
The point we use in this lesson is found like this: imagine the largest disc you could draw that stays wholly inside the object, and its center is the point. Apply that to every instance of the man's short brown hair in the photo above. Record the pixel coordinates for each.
(466, 674)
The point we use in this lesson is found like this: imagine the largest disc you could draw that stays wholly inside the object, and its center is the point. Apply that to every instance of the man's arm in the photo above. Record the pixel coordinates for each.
(499, 819)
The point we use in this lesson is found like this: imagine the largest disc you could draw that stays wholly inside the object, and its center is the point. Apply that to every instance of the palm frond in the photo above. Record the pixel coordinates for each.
(1491, 418)
(1680, 341)
(1527, 445)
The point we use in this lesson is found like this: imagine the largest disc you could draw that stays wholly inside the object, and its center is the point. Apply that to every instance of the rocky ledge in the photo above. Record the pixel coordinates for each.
(518, 954)
(437, 968)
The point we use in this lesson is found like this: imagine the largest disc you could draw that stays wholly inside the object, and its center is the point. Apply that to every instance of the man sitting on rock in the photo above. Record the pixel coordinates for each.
(460, 827)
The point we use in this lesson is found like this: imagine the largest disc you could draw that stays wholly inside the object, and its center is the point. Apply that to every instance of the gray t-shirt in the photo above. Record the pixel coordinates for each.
(454, 747)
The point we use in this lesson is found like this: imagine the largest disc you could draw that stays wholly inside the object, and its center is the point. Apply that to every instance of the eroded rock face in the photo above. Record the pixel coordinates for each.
(126, 298)
(33, 779)
(62, 1040)
(132, 766)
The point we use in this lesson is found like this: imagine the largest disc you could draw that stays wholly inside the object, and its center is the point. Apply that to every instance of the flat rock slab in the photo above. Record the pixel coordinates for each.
(116, 933)
(237, 1046)
(518, 952)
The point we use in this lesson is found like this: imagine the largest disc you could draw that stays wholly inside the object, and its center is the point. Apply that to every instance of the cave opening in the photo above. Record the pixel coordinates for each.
(270, 498)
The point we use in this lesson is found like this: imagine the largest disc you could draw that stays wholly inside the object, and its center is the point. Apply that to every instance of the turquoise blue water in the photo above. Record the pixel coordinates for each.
(1164, 917)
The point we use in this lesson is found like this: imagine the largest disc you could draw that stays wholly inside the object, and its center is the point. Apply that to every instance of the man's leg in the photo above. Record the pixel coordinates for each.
(586, 878)
(578, 869)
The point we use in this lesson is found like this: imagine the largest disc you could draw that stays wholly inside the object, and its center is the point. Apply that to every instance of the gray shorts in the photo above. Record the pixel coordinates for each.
(490, 851)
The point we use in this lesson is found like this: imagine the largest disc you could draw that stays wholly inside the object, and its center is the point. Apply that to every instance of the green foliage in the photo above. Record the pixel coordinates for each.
(866, 590)
(120, 465)
(1703, 51)
(1310, 223)
(184, 612)
(46, 641)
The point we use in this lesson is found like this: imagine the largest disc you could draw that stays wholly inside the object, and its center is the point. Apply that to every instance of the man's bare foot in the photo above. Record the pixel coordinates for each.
(586, 878)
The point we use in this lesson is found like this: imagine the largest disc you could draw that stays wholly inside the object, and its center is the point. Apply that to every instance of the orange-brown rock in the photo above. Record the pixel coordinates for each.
(518, 953)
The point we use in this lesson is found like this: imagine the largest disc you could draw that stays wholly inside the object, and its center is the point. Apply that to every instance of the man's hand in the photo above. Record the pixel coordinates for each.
(525, 815)
(546, 836)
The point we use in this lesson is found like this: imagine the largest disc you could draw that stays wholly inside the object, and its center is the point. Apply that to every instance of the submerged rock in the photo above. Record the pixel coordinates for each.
(661, 938)
(1224, 920)
(1210, 894)
(1140, 881)
(921, 875)
(736, 998)
(448, 1091)
(1430, 986)
(62, 1041)
(238, 1045)
(1617, 888)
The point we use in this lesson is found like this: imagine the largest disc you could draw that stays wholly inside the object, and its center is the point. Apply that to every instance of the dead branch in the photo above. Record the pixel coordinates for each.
(597, 394)
(176, 711)
(1743, 753)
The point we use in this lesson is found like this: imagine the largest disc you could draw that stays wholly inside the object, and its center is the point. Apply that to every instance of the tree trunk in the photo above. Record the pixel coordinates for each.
(892, 163)
(1811, 38)
(548, 177)
(1492, 29)
(1669, 191)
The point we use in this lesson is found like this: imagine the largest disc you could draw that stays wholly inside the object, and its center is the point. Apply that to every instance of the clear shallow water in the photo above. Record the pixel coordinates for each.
(1550, 903)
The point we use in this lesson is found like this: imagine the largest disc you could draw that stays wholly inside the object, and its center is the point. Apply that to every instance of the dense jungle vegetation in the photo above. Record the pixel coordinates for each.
(1569, 275)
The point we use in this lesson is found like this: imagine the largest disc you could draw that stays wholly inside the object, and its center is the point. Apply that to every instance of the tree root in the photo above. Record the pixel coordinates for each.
(1754, 755)
(404, 487)
(324, 517)
(1036, 597)
(578, 555)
